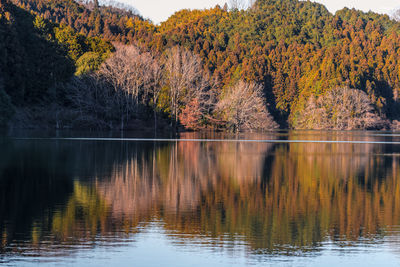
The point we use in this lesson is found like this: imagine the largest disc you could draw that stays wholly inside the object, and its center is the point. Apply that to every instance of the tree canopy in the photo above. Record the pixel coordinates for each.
(294, 50)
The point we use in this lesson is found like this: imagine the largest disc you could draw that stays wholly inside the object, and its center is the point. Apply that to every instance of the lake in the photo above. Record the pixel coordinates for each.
(274, 199)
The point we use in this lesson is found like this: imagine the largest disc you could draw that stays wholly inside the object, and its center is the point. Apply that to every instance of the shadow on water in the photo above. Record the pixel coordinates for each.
(276, 198)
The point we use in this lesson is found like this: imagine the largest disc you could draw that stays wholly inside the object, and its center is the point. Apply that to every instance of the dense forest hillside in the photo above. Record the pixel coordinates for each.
(294, 55)
(295, 49)
(112, 21)
(36, 54)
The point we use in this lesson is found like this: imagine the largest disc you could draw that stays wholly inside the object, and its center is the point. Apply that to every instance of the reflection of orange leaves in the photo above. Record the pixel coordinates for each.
(294, 194)
(190, 152)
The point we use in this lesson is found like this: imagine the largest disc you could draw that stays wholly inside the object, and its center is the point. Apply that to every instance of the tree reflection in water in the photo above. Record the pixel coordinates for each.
(277, 198)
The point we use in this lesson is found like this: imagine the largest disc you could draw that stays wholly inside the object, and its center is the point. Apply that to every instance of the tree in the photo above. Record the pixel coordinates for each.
(396, 15)
(98, 25)
(184, 77)
(340, 109)
(191, 115)
(157, 77)
(88, 62)
(96, 6)
(129, 72)
(239, 4)
(244, 108)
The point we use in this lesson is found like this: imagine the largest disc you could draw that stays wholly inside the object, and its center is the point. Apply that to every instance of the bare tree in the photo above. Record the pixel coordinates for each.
(240, 4)
(129, 79)
(129, 71)
(396, 15)
(94, 103)
(184, 76)
(244, 108)
(340, 109)
(157, 73)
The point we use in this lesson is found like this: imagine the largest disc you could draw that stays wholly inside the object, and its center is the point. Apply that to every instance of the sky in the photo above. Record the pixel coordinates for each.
(160, 10)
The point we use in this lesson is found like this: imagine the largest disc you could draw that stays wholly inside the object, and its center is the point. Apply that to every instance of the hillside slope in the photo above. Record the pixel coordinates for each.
(297, 50)
(36, 54)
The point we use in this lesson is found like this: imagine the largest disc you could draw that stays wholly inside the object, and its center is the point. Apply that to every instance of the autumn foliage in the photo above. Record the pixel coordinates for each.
(191, 115)
(295, 51)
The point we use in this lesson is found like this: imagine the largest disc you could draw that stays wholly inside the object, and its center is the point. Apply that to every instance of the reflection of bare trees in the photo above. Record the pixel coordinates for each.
(134, 191)
(274, 195)
(177, 178)
(304, 192)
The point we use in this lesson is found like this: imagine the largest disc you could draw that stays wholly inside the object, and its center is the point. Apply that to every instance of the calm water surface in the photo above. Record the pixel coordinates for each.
(277, 199)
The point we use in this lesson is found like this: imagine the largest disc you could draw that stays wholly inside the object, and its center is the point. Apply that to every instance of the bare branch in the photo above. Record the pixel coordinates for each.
(244, 108)
(340, 109)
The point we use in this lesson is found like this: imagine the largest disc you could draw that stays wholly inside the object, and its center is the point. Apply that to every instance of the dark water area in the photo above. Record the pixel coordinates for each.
(273, 199)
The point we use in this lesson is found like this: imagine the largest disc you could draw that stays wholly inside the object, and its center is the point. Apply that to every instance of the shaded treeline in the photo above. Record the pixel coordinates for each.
(35, 56)
(287, 196)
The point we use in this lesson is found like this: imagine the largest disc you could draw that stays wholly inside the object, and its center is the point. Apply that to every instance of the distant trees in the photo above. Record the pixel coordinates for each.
(293, 48)
(133, 80)
(110, 20)
(240, 4)
(36, 54)
(296, 50)
(396, 15)
(244, 108)
(340, 109)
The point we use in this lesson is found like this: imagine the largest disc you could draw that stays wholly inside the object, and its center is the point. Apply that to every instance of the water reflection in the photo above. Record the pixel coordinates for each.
(266, 197)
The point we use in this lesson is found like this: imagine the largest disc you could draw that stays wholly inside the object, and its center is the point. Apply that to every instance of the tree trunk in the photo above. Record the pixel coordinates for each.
(155, 121)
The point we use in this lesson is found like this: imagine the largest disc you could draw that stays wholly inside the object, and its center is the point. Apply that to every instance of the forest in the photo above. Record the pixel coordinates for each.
(273, 64)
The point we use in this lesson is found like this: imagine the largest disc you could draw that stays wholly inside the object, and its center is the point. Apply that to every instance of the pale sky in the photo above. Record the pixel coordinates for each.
(160, 10)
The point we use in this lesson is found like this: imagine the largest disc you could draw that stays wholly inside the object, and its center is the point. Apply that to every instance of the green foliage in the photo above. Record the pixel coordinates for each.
(31, 61)
(36, 54)
(294, 49)
(74, 43)
(88, 62)
(109, 22)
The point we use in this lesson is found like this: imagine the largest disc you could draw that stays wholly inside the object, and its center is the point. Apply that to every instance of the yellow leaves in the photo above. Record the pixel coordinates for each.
(36, 234)
(7, 15)
(85, 208)
(4, 238)
(164, 100)
(129, 23)
(143, 25)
